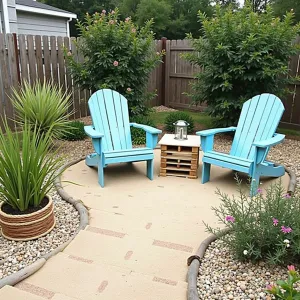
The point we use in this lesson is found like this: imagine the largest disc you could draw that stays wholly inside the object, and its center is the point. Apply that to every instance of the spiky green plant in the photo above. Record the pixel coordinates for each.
(43, 106)
(27, 168)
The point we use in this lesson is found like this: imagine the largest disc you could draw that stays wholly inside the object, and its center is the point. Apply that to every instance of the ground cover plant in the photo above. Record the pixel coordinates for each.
(264, 227)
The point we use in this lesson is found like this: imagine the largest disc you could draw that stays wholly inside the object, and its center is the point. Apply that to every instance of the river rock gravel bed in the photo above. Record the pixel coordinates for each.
(222, 277)
(14, 256)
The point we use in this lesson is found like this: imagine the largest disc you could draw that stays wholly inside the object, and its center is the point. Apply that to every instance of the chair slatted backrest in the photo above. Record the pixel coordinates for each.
(109, 111)
(258, 121)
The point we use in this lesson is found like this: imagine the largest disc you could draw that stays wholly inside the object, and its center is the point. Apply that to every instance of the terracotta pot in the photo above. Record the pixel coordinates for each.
(28, 226)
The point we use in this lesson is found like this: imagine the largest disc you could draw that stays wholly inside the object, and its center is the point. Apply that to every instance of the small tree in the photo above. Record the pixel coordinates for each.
(117, 55)
(241, 54)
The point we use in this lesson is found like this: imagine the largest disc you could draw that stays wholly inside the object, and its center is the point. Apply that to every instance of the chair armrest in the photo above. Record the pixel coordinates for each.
(91, 132)
(276, 139)
(146, 128)
(209, 132)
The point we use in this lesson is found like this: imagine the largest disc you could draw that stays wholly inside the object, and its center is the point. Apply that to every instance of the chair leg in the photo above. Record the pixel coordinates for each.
(101, 173)
(150, 169)
(254, 184)
(205, 172)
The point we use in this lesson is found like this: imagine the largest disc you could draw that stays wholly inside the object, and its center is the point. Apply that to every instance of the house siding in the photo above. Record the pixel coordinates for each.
(38, 24)
(12, 15)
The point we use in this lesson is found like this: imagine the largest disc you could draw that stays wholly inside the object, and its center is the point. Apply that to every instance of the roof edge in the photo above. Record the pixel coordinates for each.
(45, 11)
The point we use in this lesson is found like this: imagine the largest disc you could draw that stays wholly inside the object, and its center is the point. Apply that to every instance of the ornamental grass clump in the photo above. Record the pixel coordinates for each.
(117, 55)
(27, 168)
(42, 106)
(264, 227)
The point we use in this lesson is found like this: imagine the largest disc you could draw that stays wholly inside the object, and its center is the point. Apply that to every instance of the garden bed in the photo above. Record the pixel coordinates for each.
(221, 276)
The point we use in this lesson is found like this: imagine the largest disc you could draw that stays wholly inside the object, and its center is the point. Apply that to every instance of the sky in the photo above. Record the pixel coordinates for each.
(241, 2)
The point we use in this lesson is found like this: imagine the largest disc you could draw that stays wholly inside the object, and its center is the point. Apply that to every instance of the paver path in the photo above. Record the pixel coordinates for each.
(140, 235)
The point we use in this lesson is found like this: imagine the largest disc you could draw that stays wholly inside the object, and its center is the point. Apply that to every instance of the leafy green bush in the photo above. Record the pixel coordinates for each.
(178, 115)
(264, 227)
(117, 55)
(43, 106)
(75, 132)
(138, 136)
(285, 289)
(241, 54)
(27, 168)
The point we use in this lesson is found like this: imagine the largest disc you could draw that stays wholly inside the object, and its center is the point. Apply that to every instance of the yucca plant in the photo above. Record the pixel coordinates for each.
(27, 168)
(43, 106)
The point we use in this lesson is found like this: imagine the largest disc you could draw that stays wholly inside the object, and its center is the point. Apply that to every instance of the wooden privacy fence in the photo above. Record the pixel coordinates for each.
(41, 58)
(179, 72)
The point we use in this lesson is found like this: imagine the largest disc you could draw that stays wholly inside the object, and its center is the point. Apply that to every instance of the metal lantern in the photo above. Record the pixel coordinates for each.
(181, 130)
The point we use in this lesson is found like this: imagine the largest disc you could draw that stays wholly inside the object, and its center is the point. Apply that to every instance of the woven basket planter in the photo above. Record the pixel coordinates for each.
(28, 226)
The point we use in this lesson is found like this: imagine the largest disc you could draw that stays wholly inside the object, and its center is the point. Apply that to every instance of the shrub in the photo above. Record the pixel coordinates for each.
(117, 55)
(27, 168)
(75, 132)
(178, 115)
(241, 54)
(285, 289)
(43, 106)
(264, 227)
(138, 136)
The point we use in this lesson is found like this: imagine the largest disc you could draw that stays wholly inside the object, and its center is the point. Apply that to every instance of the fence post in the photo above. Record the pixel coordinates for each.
(163, 71)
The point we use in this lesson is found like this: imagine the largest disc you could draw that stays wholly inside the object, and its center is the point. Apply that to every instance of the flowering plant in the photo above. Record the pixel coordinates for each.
(285, 289)
(116, 55)
(264, 227)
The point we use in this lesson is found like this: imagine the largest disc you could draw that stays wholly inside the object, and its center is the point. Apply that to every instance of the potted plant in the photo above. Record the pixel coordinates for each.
(27, 173)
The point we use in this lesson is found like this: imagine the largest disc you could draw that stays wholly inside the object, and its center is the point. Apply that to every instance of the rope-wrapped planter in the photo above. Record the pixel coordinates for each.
(28, 226)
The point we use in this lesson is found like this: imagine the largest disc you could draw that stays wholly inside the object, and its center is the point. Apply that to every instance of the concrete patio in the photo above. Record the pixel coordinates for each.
(140, 235)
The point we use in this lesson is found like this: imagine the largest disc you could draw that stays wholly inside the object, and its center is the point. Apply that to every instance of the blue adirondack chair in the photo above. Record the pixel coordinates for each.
(254, 135)
(111, 135)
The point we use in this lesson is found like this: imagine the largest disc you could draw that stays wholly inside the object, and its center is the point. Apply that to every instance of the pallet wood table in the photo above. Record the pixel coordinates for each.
(179, 158)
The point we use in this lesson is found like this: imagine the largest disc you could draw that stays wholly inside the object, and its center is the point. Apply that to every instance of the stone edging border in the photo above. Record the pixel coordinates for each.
(84, 221)
(194, 260)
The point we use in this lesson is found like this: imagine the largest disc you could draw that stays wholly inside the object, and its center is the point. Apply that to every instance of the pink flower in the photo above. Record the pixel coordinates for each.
(104, 11)
(291, 268)
(259, 190)
(286, 229)
(272, 288)
(275, 222)
(116, 63)
(111, 22)
(230, 219)
(112, 12)
(127, 19)
(133, 30)
(287, 196)
(128, 89)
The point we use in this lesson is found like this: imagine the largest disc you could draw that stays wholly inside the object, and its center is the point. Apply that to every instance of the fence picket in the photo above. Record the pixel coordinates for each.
(39, 58)
(31, 59)
(23, 58)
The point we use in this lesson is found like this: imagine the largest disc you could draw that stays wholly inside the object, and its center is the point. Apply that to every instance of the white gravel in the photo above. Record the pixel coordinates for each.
(223, 277)
(14, 256)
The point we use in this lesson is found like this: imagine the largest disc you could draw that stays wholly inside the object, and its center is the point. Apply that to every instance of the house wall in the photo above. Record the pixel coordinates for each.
(38, 24)
(12, 15)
